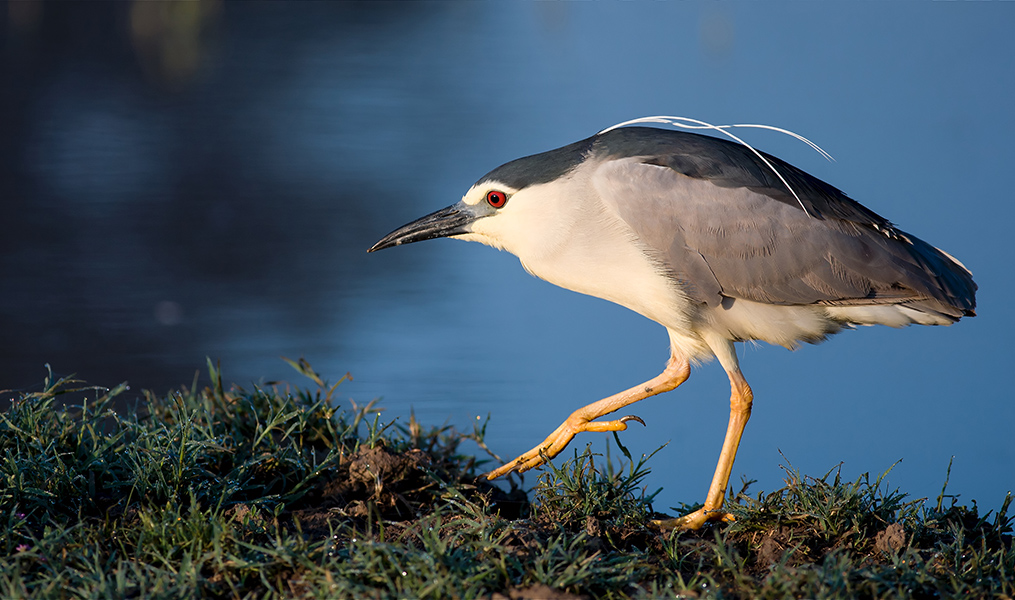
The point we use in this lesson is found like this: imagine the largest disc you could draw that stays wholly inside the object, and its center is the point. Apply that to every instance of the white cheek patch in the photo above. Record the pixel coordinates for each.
(481, 238)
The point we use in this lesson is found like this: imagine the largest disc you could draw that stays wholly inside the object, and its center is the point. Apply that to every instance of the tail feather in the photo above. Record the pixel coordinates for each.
(954, 292)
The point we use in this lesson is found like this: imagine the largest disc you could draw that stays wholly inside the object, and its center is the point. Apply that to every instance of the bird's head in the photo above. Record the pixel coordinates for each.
(518, 207)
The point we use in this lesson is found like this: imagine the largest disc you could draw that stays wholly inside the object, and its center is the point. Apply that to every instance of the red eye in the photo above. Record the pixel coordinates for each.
(496, 198)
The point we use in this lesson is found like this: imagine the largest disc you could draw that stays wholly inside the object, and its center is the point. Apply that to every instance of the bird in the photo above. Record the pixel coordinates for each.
(718, 242)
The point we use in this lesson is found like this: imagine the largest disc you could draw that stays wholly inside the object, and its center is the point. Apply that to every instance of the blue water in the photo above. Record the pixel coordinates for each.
(173, 189)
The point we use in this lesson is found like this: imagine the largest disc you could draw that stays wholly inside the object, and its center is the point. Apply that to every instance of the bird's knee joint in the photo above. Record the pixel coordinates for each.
(742, 399)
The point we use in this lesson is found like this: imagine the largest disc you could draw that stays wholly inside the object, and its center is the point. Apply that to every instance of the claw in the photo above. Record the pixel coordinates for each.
(632, 418)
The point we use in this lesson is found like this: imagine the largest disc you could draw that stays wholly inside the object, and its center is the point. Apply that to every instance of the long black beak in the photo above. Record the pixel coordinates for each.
(446, 222)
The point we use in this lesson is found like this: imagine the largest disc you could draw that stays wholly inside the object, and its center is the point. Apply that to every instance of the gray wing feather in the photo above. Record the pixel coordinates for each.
(719, 237)
(730, 164)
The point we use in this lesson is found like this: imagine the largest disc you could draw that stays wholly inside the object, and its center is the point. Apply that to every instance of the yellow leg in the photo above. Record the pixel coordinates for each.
(741, 399)
(677, 371)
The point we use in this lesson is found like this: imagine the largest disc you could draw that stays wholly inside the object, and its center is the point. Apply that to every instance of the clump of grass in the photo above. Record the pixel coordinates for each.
(278, 491)
(204, 490)
(609, 504)
(811, 517)
(825, 537)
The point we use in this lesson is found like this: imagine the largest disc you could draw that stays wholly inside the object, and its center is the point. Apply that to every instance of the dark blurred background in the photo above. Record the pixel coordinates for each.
(202, 179)
(184, 179)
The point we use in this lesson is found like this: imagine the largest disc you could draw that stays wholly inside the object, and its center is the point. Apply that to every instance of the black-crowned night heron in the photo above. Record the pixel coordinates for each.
(712, 239)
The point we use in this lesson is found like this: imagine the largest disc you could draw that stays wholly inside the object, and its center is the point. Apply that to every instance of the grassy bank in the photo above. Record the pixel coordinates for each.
(279, 492)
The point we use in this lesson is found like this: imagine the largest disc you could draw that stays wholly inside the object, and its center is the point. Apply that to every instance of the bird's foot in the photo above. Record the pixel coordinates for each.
(558, 440)
(694, 520)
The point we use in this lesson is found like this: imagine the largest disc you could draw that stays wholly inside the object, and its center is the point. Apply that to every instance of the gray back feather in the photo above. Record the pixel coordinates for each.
(724, 225)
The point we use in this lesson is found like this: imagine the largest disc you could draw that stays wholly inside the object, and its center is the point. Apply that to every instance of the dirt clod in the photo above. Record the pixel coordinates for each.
(770, 551)
(892, 539)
